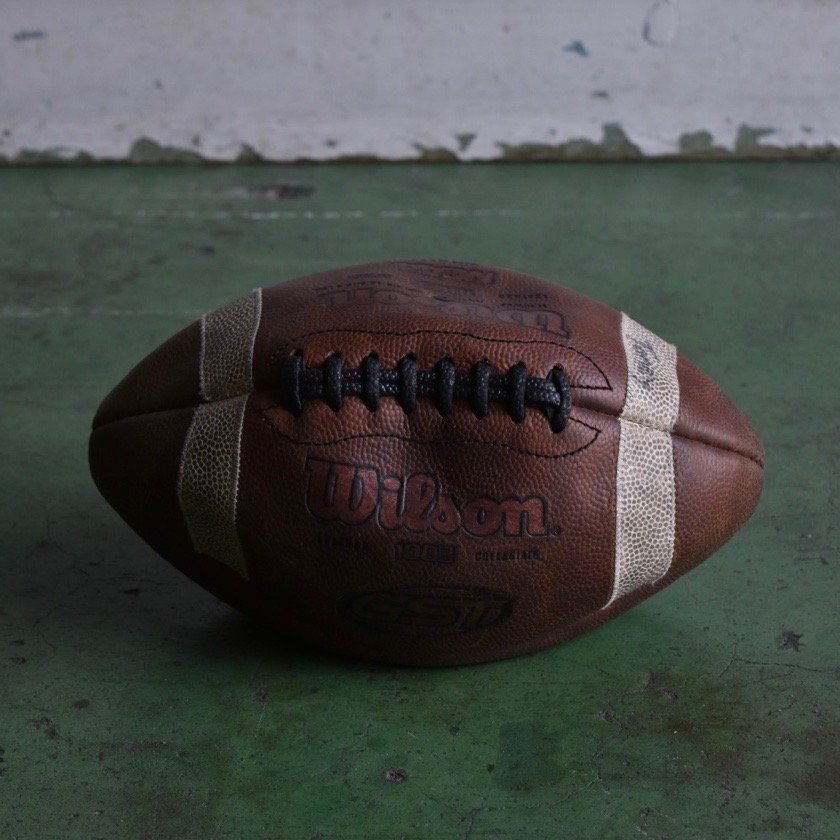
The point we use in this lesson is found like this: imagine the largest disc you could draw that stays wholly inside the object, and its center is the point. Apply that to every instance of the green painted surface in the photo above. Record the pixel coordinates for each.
(132, 704)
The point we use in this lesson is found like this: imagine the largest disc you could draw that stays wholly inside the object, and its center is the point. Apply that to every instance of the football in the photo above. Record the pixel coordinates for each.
(425, 463)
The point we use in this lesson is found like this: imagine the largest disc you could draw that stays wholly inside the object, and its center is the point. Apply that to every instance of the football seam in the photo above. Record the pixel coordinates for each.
(429, 442)
(275, 356)
(745, 455)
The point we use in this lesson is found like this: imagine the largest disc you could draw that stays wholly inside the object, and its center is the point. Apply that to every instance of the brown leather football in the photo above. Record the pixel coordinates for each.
(427, 463)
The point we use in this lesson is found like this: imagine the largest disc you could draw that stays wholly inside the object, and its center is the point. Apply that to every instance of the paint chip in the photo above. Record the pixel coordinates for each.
(464, 141)
(660, 24)
(788, 640)
(577, 47)
(44, 725)
(29, 35)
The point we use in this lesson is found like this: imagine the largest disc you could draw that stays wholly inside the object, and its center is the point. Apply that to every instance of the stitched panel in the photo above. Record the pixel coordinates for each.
(653, 390)
(645, 487)
(227, 347)
(209, 478)
(645, 507)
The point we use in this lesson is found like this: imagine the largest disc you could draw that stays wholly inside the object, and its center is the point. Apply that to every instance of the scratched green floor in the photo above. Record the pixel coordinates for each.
(132, 704)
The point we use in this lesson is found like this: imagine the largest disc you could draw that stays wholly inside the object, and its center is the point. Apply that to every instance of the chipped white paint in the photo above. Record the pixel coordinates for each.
(330, 78)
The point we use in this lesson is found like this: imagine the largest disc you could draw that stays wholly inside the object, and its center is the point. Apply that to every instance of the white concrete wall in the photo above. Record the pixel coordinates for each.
(473, 79)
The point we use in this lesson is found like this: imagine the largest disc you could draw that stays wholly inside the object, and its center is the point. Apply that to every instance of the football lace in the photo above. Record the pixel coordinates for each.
(479, 386)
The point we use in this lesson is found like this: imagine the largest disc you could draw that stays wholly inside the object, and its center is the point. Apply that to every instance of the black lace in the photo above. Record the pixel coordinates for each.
(407, 383)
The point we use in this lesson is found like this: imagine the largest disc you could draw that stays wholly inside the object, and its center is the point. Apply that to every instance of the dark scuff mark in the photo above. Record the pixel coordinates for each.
(29, 35)
(82, 703)
(44, 725)
(577, 47)
(600, 94)
(27, 285)
(788, 640)
(465, 140)
(201, 250)
(130, 746)
(435, 154)
(278, 192)
(395, 776)
(147, 151)
(654, 682)
(614, 145)
(18, 660)
(818, 785)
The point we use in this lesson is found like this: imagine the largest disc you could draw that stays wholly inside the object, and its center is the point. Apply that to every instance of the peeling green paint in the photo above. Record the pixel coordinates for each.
(435, 154)
(248, 154)
(146, 150)
(48, 156)
(748, 146)
(748, 138)
(614, 145)
(700, 144)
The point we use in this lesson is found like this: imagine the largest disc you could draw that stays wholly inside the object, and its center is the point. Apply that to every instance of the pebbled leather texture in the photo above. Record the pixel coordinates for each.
(418, 538)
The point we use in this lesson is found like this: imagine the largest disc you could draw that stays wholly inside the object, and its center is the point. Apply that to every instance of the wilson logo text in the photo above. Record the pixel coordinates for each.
(356, 494)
